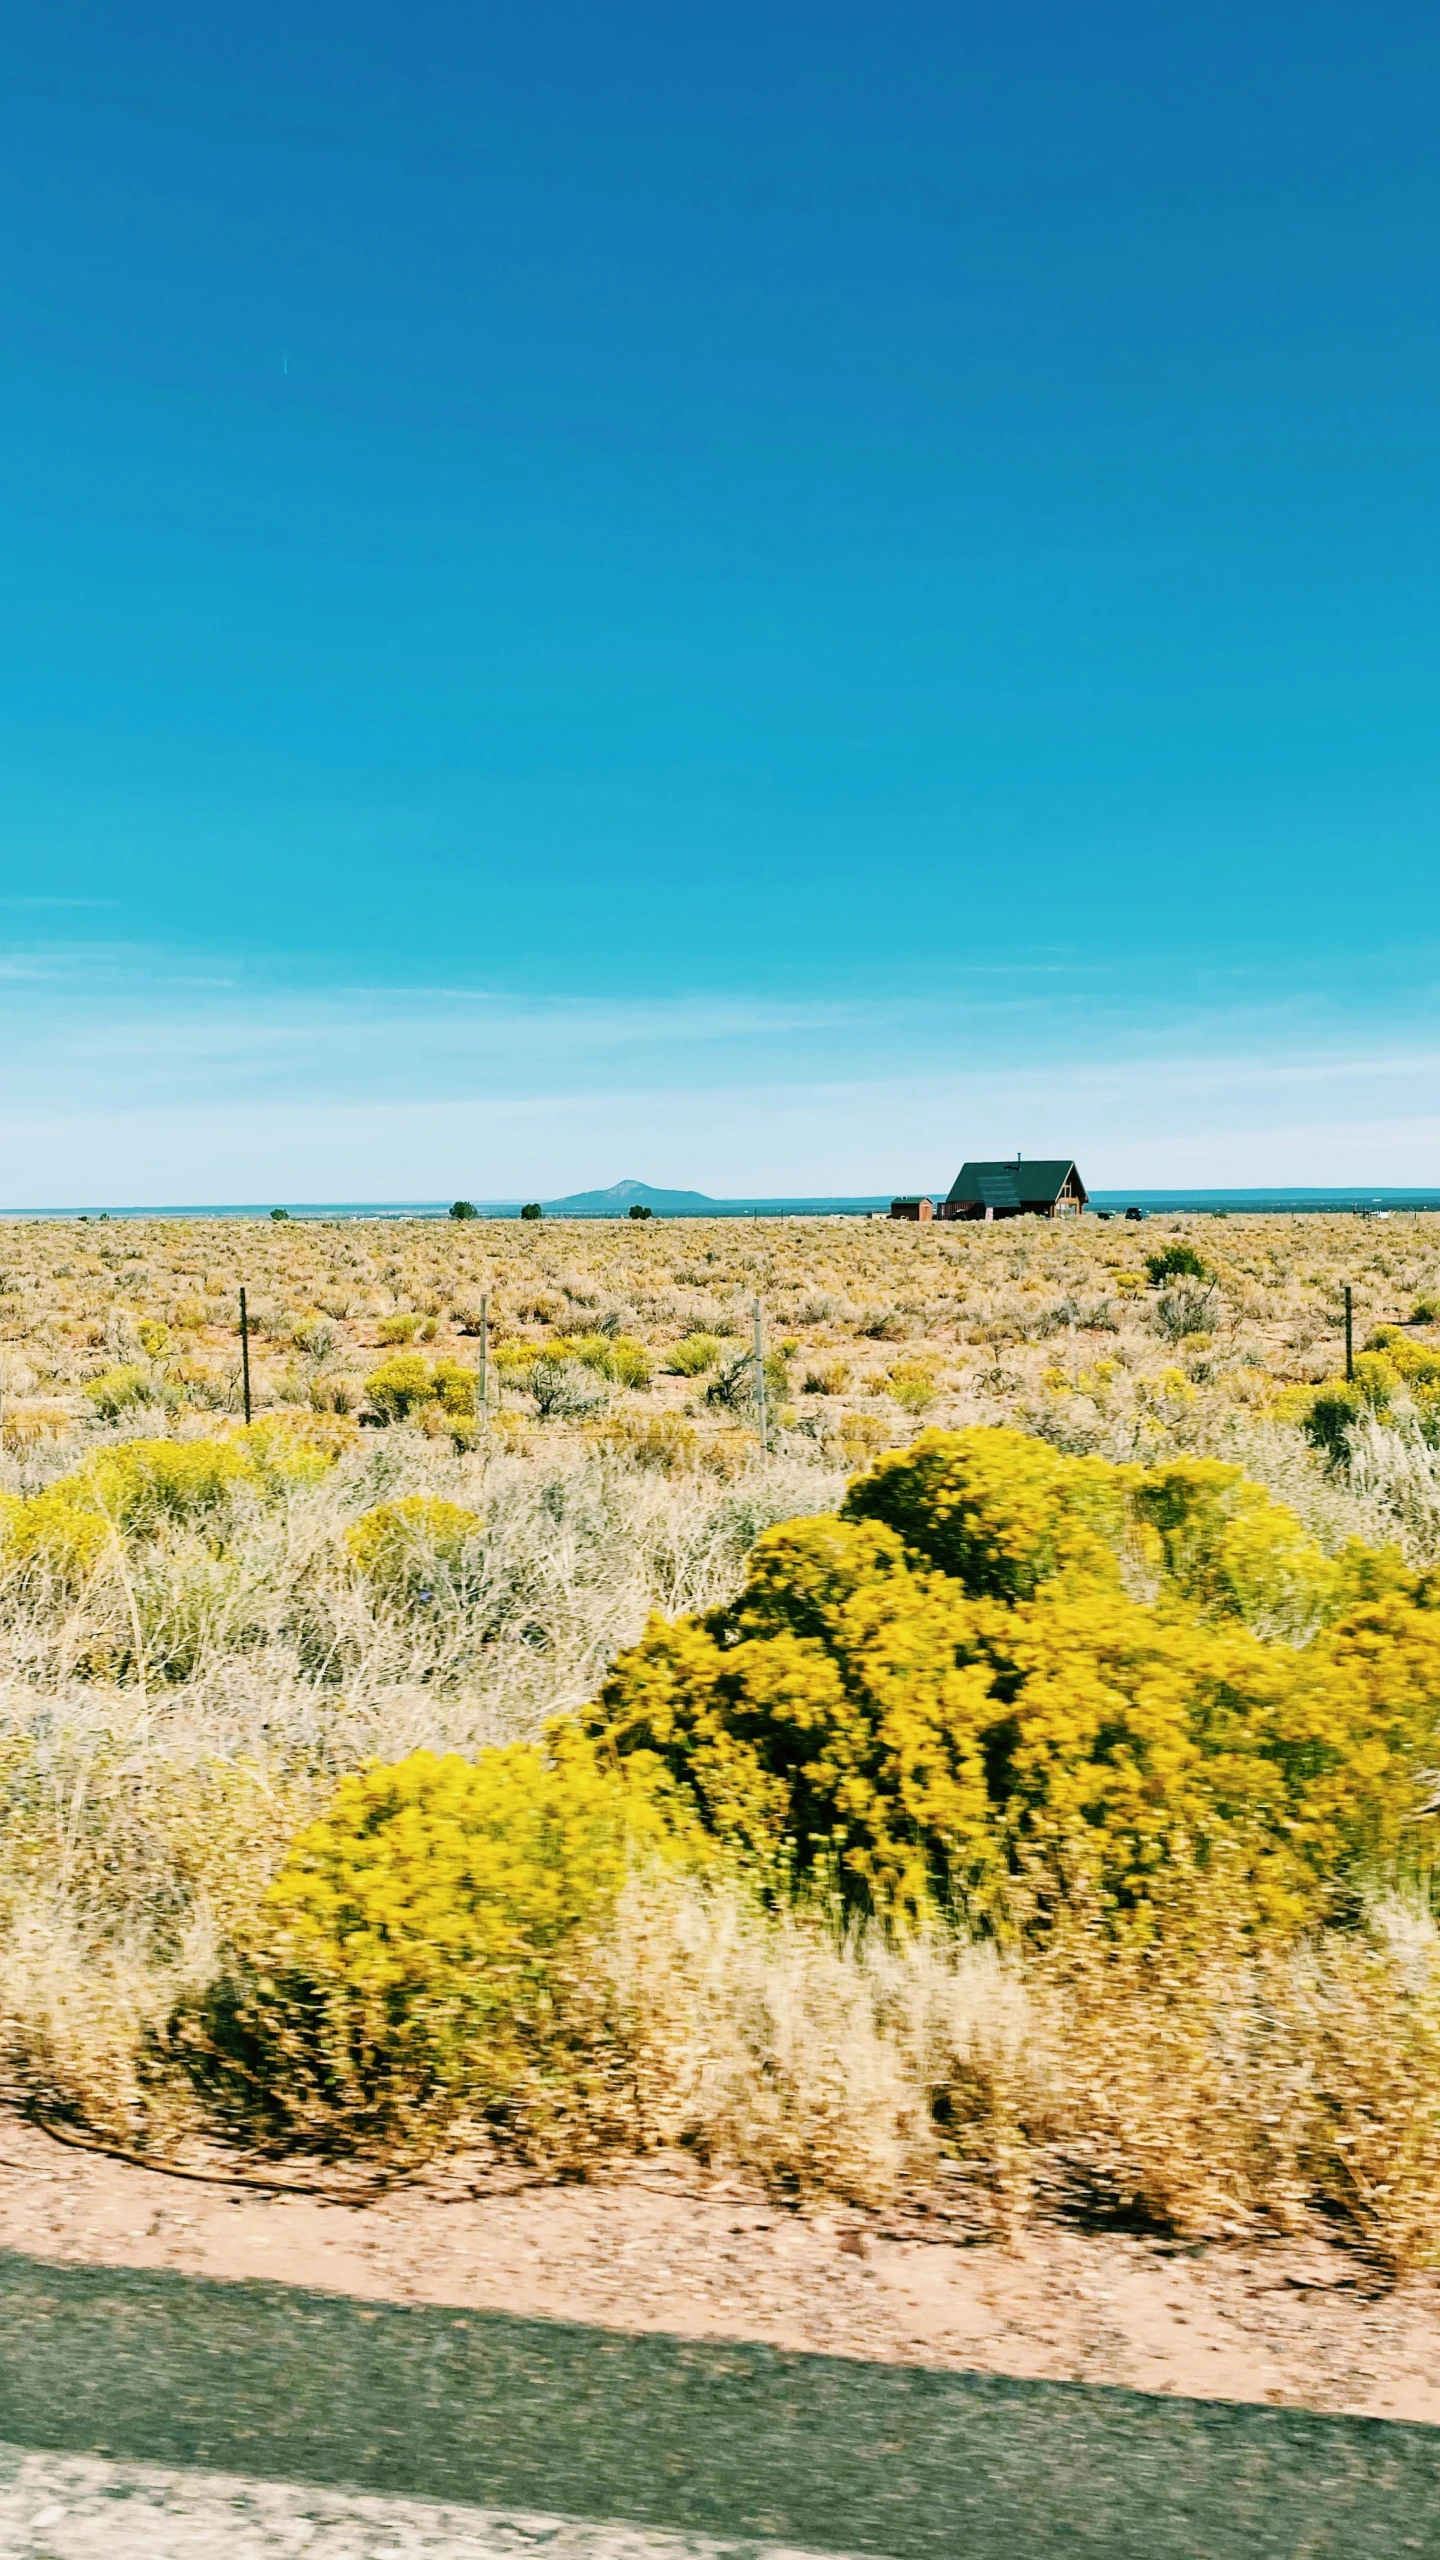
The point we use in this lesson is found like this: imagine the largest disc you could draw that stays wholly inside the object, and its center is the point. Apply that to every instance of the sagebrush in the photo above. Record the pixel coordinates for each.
(1164, 1743)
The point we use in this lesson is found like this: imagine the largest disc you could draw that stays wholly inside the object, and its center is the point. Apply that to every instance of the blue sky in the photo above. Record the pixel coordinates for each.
(762, 597)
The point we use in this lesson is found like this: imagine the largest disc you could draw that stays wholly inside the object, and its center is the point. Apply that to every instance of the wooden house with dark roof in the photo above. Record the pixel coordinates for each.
(1035, 1187)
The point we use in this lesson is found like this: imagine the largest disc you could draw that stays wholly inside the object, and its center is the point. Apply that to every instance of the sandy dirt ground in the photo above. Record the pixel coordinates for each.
(58, 2507)
(1299, 2324)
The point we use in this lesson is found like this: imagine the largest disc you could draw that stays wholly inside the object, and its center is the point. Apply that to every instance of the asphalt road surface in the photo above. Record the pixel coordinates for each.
(159, 2417)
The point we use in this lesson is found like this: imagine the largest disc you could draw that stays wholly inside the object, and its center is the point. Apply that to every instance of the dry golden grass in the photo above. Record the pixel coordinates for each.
(1203, 2087)
(162, 1736)
(1054, 1324)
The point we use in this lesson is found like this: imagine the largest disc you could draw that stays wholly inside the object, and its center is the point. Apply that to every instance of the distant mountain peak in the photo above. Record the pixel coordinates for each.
(623, 1193)
(630, 1194)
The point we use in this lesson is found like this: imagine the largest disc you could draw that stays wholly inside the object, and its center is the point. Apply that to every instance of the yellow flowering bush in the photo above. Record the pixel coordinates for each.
(426, 1934)
(1411, 1371)
(951, 1686)
(998, 1511)
(398, 1386)
(50, 1533)
(620, 1357)
(513, 1361)
(399, 1545)
(402, 1388)
(629, 1362)
(1418, 1363)
(1392, 1369)
(453, 1386)
(1227, 1546)
(827, 1722)
(130, 1491)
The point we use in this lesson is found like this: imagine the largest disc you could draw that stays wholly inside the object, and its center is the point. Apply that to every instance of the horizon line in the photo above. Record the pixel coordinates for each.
(1176, 1197)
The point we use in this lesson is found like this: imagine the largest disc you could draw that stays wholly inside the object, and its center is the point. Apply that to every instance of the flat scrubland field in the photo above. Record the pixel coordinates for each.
(1036, 1832)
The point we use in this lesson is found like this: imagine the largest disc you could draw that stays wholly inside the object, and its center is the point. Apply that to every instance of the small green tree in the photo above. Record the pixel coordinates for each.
(280, 1213)
(1174, 1262)
(639, 1210)
(463, 1209)
(532, 1209)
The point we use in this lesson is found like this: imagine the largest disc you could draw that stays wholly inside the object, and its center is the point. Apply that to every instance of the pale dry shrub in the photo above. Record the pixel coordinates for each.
(759, 2043)
(25, 1426)
(1394, 1472)
(1203, 2085)
(1185, 2078)
(79, 2015)
(1371, 2018)
(846, 2066)
(1214, 2081)
(276, 1630)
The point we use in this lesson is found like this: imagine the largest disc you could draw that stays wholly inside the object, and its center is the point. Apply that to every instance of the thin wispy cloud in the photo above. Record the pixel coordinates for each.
(115, 1022)
(1152, 1116)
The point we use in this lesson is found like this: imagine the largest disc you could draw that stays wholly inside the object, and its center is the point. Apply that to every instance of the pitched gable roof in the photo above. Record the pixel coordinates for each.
(1029, 1183)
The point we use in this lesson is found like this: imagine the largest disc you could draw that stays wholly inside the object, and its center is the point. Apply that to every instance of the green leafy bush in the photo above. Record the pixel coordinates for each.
(392, 1329)
(734, 1388)
(119, 1391)
(692, 1357)
(1329, 1415)
(629, 1362)
(1174, 1262)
